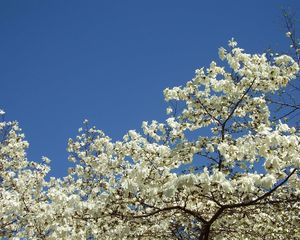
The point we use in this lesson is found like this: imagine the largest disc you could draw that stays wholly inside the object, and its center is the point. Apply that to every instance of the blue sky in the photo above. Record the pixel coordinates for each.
(109, 61)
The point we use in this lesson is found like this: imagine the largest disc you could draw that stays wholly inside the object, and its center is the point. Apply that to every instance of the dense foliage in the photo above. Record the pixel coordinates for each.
(218, 168)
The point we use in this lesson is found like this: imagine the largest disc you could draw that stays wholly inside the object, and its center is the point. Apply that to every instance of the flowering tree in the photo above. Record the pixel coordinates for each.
(218, 168)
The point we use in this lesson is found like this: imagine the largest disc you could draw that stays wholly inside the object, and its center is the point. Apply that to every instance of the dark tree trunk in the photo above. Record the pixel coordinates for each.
(204, 233)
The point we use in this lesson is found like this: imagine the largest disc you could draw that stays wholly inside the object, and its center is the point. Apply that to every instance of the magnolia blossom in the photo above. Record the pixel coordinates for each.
(218, 168)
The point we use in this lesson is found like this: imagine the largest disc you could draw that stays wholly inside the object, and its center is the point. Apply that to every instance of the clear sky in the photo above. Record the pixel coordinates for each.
(109, 61)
